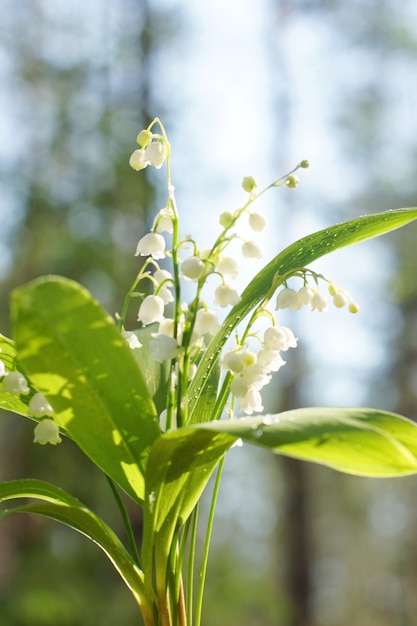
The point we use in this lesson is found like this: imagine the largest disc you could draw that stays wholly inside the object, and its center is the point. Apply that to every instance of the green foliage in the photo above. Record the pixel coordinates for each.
(64, 508)
(360, 441)
(74, 354)
(108, 396)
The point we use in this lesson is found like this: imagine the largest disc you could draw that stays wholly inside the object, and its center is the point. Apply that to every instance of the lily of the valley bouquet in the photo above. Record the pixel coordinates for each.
(157, 407)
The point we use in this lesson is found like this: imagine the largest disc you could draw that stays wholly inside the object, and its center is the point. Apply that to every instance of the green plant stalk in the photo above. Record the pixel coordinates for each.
(126, 522)
(199, 601)
(191, 563)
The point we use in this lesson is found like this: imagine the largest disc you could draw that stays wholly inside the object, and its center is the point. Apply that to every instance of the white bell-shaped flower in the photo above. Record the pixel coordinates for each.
(237, 360)
(138, 160)
(156, 153)
(225, 295)
(257, 222)
(152, 245)
(252, 251)
(287, 299)
(305, 295)
(192, 267)
(279, 338)
(251, 402)
(39, 406)
(163, 221)
(255, 376)
(270, 360)
(47, 431)
(318, 302)
(227, 266)
(206, 322)
(15, 383)
(151, 310)
(339, 300)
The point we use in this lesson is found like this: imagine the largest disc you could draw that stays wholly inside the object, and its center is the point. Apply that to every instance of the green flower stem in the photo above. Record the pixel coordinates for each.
(203, 571)
(191, 561)
(126, 522)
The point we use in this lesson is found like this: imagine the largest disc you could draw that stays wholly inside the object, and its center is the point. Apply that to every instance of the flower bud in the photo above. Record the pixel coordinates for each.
(292, 181)
(305, 163)
(353, 307)
(226, 219)
(339, 300)
(249, 183)
(144, 138)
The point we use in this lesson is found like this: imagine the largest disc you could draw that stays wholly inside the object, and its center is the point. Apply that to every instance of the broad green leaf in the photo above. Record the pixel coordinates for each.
(297, 255)
(74, 354)
(179, 467)
(9, 401)
(360, 441)
(62, 507)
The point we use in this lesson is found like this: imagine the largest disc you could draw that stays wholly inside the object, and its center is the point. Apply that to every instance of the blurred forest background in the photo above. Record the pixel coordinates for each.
(248, 87)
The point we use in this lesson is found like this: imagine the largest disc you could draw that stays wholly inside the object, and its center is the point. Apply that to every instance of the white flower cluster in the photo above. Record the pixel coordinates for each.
(46, 431)
(150, 152)
(251, 371)
(312, 298)
(182, 331)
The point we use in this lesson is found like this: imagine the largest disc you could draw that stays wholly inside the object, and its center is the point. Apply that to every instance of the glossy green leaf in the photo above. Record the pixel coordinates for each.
(74, 354)
(62, 507)
(297, 255)
(360, 441)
